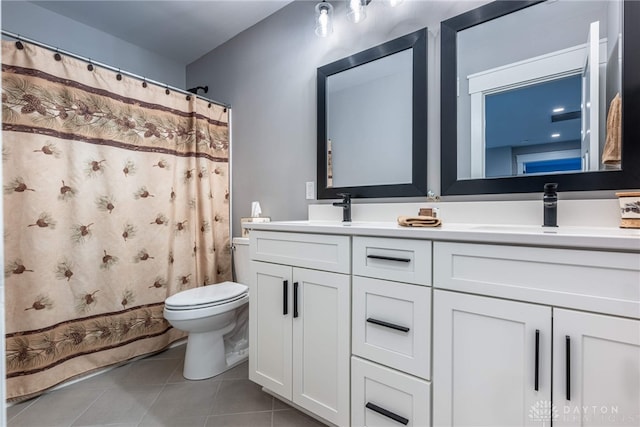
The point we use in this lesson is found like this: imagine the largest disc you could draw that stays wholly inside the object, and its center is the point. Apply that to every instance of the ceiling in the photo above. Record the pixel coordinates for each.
(531, 122)
(182, 31)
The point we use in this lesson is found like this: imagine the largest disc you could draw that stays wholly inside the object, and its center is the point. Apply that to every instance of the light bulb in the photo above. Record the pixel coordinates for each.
(355, 11)
(324, 12)
(323, 20)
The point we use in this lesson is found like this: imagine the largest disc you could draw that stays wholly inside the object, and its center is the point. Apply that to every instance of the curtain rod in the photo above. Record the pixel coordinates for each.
(18, 37)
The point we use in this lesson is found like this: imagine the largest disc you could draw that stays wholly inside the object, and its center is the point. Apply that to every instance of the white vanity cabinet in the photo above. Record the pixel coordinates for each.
(299, 319)
(499, 362)
(388, 326)
(391, 340)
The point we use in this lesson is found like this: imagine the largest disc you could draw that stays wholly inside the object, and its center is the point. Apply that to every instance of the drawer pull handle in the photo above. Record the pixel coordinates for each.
(388, 414)
(537, 366)
(389, 258)
(568, 362)
(295, 299)
(387, 324)
(285, 297)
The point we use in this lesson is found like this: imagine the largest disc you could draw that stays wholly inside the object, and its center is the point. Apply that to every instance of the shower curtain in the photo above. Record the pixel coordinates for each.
(116, 195)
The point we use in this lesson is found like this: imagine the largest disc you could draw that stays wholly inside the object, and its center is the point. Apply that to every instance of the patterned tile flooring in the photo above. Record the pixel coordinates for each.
(152, 392)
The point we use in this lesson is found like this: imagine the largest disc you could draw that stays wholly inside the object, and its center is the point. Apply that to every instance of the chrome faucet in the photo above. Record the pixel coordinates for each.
(345, 204)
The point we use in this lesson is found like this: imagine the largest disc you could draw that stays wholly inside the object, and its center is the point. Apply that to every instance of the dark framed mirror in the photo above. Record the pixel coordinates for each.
(467, 167)
(372, 121)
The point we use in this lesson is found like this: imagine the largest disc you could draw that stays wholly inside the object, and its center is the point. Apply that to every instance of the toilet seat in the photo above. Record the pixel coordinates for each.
(206, 296)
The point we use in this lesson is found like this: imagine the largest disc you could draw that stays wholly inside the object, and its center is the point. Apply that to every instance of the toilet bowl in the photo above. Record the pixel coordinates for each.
(208, 313)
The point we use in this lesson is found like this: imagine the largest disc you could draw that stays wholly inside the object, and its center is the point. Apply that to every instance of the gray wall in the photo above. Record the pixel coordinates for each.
(40, 24)
(498, 162)
(268, 75)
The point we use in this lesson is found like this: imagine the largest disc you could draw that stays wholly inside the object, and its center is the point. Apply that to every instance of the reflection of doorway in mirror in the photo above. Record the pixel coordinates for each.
(527, 122)
(591, 101)
(534, 129)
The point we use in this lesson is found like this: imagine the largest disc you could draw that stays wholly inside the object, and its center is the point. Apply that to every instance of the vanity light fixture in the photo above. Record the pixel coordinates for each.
(356, 12)
(558, 110)
(555, 135)
(324, 19)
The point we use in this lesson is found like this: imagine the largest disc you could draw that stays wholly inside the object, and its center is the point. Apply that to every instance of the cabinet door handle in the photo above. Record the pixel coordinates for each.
(389, 258)
(387, 324)
(295, 299)
(285, 297)
(386, 413)
(537, 368)
(568, 367)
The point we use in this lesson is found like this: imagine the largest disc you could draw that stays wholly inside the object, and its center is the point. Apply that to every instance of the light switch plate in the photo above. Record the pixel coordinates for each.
(311, 191)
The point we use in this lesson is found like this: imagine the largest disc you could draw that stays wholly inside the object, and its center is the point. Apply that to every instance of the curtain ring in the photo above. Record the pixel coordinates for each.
(209, 106)
(225, 110)
(90, 66)
(57, 56)
(167, 91)
(19, 44)
(144, 83)
(188, 97)
(118, 76)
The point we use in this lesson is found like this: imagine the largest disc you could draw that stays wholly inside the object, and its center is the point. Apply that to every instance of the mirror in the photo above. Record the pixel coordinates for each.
(372, 110)
(526, 91)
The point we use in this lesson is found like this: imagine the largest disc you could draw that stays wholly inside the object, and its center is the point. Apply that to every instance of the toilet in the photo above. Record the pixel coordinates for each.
(208, 313)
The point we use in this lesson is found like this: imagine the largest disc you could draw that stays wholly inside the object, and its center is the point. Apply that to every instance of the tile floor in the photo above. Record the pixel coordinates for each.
(152, 392)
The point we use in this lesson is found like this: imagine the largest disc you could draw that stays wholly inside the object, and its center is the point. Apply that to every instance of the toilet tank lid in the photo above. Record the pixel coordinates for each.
(207, 294)
(240, 240)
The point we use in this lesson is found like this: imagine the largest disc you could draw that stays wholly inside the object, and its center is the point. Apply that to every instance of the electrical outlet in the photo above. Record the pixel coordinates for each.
(311, 191)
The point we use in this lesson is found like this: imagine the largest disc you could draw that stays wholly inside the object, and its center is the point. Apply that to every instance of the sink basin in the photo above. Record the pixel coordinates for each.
(561, 230)
(515, 228)
(315, 223)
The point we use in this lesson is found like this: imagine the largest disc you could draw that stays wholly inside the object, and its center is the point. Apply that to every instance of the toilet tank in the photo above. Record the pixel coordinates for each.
(241, 260)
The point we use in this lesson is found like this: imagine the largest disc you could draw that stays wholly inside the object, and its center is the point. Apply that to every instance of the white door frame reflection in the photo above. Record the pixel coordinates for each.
(535, 71)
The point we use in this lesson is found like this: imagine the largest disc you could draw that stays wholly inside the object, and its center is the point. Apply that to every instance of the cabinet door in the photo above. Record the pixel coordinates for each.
(270, 314)
(598, 381)
(321, 325)
(484, 361)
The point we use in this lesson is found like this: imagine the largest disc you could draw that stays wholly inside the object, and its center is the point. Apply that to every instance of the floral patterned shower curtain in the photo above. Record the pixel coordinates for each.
(115, 197)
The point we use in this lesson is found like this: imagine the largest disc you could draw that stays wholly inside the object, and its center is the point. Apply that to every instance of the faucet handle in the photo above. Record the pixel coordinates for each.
(345, 196)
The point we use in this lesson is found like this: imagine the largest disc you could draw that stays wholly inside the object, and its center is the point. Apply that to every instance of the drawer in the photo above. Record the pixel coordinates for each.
(401, 260)
(598, 281)
(315, 251)
(392, 324)
(378, 394)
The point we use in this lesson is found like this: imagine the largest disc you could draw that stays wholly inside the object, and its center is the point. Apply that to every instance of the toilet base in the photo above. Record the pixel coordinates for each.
(205, 355)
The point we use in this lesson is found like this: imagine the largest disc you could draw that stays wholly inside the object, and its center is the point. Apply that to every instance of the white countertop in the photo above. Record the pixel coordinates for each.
(604, 238)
